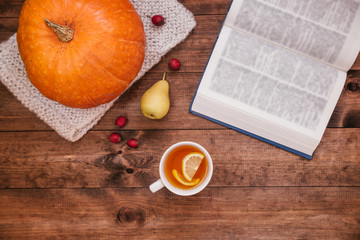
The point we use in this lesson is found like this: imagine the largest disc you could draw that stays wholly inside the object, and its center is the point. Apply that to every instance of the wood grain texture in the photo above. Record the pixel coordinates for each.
(96, 162)
(94, 189)
(193, 53)
(10, 11)
(15, 117)
(7, 3)
(136, 213)
(199, 43)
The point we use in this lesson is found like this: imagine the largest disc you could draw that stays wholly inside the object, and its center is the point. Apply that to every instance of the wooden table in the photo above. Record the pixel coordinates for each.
(93, 189)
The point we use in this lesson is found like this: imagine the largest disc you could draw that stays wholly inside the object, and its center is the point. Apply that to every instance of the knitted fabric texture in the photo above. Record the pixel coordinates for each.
(73, 123)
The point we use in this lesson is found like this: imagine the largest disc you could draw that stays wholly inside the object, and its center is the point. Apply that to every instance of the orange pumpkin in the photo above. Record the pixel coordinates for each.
(81, 53)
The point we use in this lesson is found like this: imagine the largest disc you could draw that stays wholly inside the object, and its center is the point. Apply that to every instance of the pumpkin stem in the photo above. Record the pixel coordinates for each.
(65, 34)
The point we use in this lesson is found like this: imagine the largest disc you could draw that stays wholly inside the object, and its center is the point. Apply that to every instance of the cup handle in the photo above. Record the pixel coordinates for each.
(156, 186)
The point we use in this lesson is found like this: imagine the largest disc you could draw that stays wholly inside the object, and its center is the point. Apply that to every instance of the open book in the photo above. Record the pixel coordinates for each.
(278, 68)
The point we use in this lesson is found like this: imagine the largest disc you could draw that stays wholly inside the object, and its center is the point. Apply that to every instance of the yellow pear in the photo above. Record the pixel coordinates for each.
(155, 102)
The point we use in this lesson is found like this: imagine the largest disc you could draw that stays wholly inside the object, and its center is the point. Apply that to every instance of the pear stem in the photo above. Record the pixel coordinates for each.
(164, 76)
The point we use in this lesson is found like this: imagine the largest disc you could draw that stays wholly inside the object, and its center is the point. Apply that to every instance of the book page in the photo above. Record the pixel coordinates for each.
(271, 82)
(243, 122)
(326, 30)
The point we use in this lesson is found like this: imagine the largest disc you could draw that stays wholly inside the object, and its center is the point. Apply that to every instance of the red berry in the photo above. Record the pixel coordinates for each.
(133, 143)
(121, 121)
(158, 20)
(174, 64)
(115, 137)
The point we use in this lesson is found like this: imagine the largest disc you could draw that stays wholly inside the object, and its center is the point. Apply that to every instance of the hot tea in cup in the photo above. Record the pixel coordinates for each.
(185, 169)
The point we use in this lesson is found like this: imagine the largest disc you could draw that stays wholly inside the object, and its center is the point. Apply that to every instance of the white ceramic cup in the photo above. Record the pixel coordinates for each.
(164, 182)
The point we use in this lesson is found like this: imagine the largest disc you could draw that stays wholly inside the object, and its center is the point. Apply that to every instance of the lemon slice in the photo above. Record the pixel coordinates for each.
(183, 181)
(190, 164)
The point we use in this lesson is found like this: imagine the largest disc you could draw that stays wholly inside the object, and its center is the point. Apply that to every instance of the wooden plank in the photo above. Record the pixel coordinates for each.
(205, 7)
(10, 11)
(94, 189)
(198, 7)
(199, 43)
(356, 65)
(202, 10)
(347, 111)
(15, 117)
(228, 213)
(9, 24)
(210, 25)
(182, 89)
(5, 36)
(45, 160)
(6, 3)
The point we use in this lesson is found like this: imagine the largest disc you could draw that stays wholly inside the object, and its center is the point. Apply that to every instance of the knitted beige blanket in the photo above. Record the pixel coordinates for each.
(71, 123)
